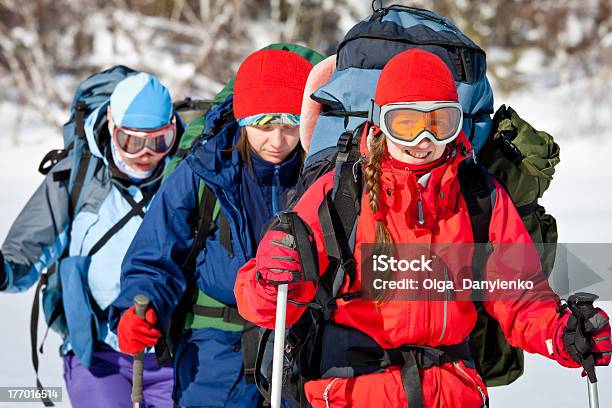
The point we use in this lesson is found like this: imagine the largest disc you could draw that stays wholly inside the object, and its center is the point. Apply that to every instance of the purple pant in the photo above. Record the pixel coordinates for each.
(108, 382)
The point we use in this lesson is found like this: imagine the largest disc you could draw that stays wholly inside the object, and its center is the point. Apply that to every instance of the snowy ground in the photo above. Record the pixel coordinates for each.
(579, 198)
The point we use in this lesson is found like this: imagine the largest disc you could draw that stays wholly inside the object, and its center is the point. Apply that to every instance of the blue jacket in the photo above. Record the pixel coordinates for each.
(44, 231)
(152, 264)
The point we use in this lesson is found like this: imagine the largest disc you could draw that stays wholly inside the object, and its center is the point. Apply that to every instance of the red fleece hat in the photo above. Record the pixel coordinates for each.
(415, 76)
(270, 81)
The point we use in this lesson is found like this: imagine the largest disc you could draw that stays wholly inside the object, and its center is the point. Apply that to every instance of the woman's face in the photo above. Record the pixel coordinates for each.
(144, 163)
(273, 143)
(425, 152)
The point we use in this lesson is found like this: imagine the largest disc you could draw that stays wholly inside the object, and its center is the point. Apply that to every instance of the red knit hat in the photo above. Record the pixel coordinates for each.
(415, 76)
(270, 81)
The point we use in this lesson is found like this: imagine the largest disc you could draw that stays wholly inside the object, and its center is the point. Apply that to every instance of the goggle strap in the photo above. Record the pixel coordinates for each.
(374, 114)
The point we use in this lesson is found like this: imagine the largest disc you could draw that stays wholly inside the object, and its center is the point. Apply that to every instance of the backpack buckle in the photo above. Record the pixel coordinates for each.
(509, 149)
(344, 142)
(349, 264)
(227, 314)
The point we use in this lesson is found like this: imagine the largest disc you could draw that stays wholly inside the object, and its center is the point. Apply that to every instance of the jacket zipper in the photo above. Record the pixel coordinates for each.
(469, 377)
(238, 215)
(326, 393)
(445, 304)
(420, 204)
(275, 184)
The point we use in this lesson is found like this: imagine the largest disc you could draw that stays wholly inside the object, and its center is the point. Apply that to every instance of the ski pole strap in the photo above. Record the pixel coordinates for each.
(581, 306)
(260, 381)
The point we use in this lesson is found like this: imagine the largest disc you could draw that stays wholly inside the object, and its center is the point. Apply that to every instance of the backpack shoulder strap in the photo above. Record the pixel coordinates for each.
(204, 223)
(338, 215)
(50, 160)
(478, 190)
(137, 210)
(79, 180)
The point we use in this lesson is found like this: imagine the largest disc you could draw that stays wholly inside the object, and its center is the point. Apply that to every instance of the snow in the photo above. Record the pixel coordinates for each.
(579, 198)
(18, 178)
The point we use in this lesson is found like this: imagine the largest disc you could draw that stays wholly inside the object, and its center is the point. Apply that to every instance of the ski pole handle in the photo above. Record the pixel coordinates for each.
(581, 305)
(141, 303)
(279, 346)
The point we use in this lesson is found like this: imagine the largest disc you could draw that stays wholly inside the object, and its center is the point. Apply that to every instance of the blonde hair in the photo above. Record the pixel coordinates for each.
(372, 172)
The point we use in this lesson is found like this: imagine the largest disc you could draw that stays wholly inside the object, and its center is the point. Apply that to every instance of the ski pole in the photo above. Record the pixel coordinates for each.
(279, 346)
(593, 393)
(141, 303)
(581, 305)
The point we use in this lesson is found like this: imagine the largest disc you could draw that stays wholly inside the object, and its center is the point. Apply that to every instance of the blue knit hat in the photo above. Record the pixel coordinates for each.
(141, 102)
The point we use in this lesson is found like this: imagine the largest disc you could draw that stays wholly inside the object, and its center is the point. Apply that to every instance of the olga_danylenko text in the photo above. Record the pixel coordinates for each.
(419, 267)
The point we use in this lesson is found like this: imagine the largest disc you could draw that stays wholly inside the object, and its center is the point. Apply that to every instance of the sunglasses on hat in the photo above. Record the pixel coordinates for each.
(135, 143)
(408, 123)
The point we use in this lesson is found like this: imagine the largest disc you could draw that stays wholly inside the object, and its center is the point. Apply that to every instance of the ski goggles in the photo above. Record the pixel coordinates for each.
(135, 143)
(408, 123)
(270, 119)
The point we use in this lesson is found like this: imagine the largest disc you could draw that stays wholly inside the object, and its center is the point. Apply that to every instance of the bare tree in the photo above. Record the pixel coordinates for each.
(195, 45)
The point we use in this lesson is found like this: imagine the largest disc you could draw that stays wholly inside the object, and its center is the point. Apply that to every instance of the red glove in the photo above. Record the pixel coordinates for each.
(573, 344)
(136, 333)
(277, 258)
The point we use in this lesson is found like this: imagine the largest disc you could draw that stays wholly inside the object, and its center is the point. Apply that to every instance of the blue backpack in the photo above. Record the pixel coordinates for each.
(90, 94)
(362, 54)
(346, 101)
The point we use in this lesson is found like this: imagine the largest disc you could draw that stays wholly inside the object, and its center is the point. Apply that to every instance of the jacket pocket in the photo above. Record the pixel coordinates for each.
(208, 369)
(472, 377)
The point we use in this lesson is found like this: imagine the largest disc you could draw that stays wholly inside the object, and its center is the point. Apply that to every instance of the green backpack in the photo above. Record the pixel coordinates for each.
(523, 159)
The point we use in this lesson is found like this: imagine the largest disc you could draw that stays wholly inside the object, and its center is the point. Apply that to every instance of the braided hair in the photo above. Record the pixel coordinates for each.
(372, 172)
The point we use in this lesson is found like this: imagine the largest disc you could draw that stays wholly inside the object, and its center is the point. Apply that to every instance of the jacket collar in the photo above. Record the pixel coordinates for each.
(263, 171)
(400, 188)
(214, 158)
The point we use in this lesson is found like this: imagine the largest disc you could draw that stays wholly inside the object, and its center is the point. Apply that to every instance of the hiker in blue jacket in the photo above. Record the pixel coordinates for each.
(247, 168)
(80, 240)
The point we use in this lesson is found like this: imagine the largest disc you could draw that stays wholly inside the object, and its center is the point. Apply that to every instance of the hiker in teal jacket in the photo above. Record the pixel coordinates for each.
(127, 139)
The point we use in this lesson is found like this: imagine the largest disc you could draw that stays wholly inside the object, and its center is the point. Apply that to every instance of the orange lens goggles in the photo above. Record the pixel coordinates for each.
(407, 123)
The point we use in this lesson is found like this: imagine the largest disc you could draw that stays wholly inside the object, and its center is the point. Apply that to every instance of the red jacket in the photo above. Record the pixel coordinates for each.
(528, 320)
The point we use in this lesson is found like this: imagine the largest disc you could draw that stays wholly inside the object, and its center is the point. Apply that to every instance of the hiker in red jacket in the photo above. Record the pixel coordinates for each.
(413, 146)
